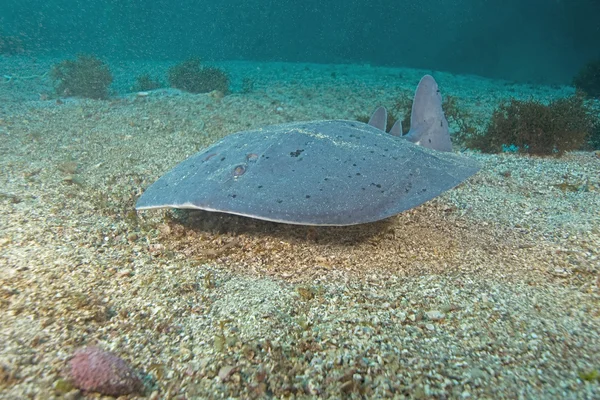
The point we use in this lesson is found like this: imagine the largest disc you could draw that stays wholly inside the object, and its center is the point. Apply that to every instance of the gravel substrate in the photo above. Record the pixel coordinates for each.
(491, 290)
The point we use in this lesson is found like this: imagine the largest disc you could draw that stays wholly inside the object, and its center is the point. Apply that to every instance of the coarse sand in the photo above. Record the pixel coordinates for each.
(491, 290)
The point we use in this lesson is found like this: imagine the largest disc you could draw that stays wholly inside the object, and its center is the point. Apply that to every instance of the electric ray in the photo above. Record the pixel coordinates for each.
(333, 172)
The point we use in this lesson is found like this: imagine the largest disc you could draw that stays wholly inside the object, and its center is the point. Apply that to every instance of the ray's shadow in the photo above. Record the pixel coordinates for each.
(221, 223)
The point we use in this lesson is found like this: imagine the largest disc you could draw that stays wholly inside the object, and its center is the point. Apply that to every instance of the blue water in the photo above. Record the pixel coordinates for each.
(540, 41)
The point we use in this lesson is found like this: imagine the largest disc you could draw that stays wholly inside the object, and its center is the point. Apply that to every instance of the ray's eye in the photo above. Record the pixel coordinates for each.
(239, 170)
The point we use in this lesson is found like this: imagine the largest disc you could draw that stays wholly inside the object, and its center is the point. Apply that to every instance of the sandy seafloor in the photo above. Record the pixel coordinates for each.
(491, 290)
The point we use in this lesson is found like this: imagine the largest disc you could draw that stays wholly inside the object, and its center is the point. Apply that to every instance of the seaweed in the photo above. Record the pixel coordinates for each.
(459, 117)
(248, 85)
(145, 82)
(403, 106)
(532, 127)
(192, 77)
(86, 76)
(589, 375)
(587, 79)
(593, 139)
(11, 45)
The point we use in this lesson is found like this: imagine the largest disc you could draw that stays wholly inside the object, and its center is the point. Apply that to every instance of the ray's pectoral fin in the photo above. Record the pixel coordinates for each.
(379, 118)
(428, 124)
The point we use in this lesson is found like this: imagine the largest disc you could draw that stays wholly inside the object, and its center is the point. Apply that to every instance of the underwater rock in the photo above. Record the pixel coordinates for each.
(95, 370)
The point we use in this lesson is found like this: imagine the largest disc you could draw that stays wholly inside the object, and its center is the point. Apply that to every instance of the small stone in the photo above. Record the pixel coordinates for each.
(154, 395)
(225, 372)
(446, 308)
(69, 178)
(435, 315)
(477, 373)
(312, 388)
(125, 273)
(219, 343)
(185, 354)
(62, 386)
(7, 374)
(216, 95)
(231, 341)
(347, 387)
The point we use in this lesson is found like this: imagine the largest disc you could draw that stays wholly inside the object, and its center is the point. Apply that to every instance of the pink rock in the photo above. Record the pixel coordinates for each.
(95, 370)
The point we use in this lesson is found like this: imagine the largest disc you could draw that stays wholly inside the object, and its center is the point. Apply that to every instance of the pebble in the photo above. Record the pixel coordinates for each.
(225, 372)
(435, 315)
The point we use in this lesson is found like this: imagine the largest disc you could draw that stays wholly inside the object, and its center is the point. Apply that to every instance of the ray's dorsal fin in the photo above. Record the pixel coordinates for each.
(396, 129)
(379, 118)
(428, 124)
